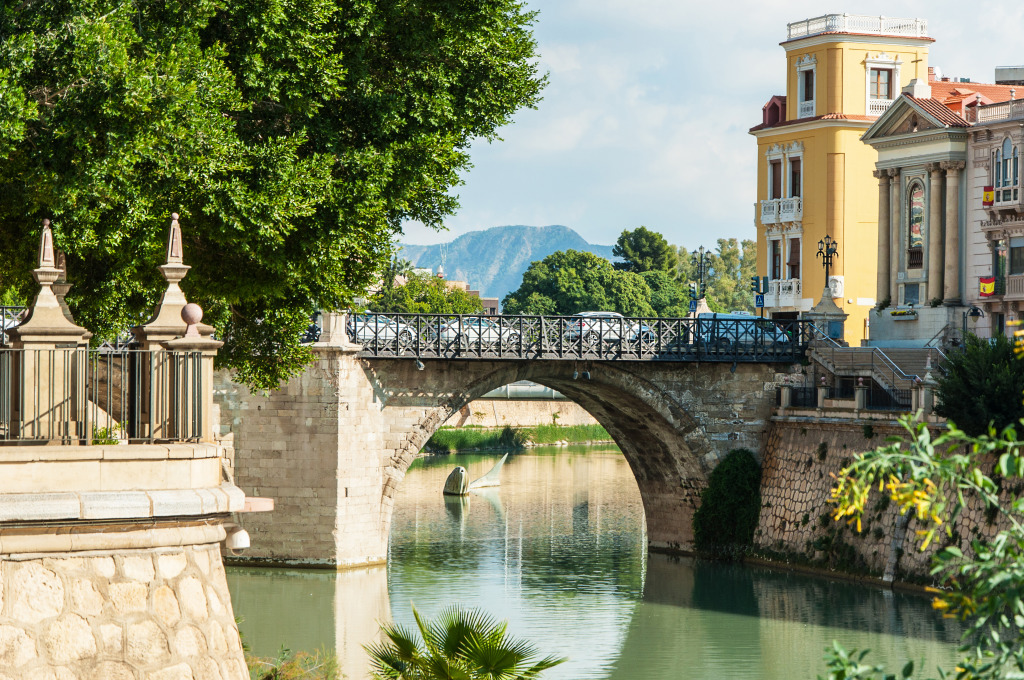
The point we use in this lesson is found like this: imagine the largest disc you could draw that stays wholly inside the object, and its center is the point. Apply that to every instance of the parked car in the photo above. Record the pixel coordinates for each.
(607, 327)
(383, 329)
(738, 331)
(477, 331)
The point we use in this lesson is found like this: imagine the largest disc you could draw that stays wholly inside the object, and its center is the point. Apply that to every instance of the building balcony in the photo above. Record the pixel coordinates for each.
(858, 23)
(777, 210)
(791, 209)
(783, 293)
(805, 110)
(876, 107)
(1014, 287)
(990, 113)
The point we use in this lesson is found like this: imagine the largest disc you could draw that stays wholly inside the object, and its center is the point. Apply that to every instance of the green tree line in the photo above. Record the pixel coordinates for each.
(651, 279)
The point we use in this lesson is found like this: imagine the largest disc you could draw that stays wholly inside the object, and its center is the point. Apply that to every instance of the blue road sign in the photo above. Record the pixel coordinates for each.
(759, 301)
(693, 306)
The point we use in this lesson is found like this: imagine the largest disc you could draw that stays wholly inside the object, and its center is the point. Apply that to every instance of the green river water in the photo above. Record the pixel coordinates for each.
(559, 550)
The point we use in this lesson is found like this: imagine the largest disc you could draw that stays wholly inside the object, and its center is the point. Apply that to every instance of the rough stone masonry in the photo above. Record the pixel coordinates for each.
(332, 445)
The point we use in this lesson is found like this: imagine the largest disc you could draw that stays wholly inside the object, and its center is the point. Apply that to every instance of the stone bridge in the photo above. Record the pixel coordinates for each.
(333, 444)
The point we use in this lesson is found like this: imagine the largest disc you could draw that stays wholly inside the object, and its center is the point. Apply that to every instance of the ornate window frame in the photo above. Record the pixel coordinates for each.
(806, 105)
(881, 61)
(915, 184)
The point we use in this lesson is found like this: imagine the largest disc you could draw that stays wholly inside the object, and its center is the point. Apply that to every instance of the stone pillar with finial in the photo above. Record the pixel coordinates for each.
(928, 386)
(159, 417)
(48, 397)
(860, 395)
(191, 390)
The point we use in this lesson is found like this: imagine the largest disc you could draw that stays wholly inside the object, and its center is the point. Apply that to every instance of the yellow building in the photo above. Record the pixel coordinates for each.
(814, 175)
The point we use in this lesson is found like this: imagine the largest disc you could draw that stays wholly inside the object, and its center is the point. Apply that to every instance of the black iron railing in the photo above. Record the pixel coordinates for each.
(881, 399)
(579, 337)
(76, 395)
(804, 397)
(9, 318)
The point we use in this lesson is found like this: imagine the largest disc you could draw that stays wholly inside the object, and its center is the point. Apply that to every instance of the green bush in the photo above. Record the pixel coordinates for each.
(982, 385)
(730, 505)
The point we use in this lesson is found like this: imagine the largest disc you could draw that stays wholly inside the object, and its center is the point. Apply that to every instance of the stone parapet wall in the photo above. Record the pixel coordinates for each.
(161, 614)
(520, 413)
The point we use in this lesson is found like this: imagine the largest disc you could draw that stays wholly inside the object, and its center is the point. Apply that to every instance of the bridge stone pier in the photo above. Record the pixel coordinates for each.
(332, 445)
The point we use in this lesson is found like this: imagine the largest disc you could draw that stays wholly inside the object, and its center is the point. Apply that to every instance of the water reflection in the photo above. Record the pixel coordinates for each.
(559, 549)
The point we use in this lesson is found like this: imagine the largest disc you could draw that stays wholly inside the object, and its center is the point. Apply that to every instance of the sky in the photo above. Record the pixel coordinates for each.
(645, 118)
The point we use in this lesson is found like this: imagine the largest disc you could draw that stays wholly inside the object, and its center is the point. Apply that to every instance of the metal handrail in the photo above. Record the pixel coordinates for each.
(608, 338)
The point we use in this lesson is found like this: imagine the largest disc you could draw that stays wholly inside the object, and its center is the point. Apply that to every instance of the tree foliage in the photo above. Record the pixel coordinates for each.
(935, 480)
(643, 250)
(730, 504)
(731, 265)
(293, 136)
(570, 281)
(982, 385)
(424, 294)
(458, 643)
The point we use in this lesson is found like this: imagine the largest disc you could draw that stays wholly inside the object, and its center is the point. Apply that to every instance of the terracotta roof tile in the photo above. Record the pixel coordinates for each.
(940, 111)
(827, 116)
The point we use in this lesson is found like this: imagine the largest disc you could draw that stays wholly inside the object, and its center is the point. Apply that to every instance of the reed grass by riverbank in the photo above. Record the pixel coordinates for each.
(452, 439)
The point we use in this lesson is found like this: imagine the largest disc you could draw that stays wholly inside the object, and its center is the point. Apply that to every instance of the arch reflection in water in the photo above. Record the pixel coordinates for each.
(559, 549)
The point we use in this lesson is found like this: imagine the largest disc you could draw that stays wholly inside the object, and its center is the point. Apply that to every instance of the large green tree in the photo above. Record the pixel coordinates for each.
(982, 385)
(643, 250)
(570, 281)
(294, 137)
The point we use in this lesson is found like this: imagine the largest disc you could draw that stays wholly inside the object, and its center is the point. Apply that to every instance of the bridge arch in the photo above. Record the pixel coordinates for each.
(332, 445)
(649, 413)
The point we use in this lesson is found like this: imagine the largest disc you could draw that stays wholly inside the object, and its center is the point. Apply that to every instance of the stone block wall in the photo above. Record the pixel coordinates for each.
(800, 457)
(501, 412)
(160, 614)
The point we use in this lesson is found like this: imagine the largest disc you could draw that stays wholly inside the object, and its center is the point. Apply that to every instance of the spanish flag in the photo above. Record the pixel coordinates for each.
(987, 286)
(988, 196)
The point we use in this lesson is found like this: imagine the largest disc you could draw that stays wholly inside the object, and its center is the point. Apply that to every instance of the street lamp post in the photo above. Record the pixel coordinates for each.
(975, 313)
(827, 248)
(700, 261)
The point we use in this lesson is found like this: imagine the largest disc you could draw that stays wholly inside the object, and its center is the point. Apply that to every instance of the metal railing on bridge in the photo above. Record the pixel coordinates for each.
(589, 337)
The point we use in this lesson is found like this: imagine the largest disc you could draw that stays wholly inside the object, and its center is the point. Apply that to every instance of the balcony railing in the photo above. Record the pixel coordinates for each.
(876, 107)
(783, 293)
(775, 210)
(791, 209)
(806, 109)
(1009, 110)
(858, 23)
(1014, 286)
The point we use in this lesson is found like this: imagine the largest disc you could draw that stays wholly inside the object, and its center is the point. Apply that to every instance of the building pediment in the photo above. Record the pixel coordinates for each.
(908, 116)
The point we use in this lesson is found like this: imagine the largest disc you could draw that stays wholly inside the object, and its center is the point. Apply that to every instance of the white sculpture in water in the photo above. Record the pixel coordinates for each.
(458, 483)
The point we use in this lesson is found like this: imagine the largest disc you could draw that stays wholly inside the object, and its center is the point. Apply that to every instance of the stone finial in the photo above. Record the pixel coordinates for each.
(174, 254)
(191, 314)
(47, 260)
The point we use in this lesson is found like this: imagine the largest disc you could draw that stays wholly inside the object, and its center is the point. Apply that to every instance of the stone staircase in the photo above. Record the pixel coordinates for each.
(892, 368)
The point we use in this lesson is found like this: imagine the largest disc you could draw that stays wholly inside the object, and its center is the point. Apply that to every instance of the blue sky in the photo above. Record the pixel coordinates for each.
(646, 115)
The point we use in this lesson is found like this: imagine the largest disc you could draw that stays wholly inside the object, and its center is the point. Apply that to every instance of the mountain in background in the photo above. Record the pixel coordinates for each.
(493, 261)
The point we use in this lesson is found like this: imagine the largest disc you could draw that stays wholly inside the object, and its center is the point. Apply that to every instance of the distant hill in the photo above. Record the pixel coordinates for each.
(493, 260)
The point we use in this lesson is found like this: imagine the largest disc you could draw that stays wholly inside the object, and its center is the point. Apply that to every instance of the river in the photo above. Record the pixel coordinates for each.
(559, 551)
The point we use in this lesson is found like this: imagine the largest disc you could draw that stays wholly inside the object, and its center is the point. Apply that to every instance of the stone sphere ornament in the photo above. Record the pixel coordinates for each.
(191, 314)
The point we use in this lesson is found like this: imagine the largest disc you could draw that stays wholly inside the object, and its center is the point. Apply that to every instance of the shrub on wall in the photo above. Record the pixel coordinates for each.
(730, 505)
(982, 385)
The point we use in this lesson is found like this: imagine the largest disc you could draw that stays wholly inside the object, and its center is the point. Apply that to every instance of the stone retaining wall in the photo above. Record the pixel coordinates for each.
(160, 614)
(800, 457)
(525, 413)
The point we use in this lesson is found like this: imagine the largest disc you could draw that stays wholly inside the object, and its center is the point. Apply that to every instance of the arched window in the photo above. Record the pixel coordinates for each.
(1007, 156)
(915, 226)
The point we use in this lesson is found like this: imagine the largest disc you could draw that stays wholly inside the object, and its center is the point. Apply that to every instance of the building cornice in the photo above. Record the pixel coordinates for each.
(863, 38)
(810, 125)
(912, 138)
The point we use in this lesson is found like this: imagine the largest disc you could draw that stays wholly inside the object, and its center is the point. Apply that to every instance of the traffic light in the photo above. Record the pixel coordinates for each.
(693, 291)
(703, 290)
(755, 284)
